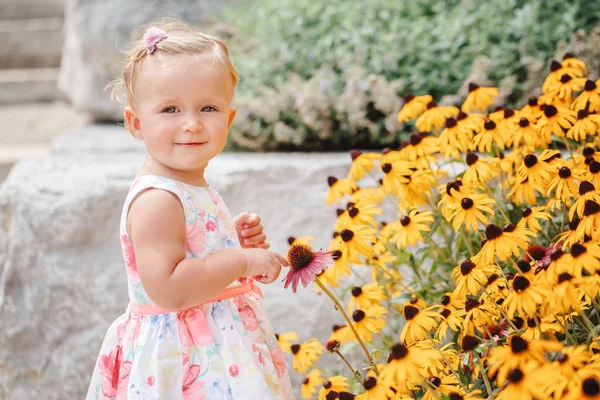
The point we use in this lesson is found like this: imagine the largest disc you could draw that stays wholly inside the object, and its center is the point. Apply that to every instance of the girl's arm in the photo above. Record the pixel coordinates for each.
(157, 230)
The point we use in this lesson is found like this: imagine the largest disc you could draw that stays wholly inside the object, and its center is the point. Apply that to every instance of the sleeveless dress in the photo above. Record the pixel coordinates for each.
(222, 349)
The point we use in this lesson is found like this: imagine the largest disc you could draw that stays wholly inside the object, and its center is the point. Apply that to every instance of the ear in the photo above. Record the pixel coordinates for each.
(132, 122)
(232, 112)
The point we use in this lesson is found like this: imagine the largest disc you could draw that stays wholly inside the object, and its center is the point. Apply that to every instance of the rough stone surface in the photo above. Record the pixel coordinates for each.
(95, 30)
(62, 279)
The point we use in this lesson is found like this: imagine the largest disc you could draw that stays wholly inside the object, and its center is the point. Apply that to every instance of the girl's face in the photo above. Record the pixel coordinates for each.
(182, 111)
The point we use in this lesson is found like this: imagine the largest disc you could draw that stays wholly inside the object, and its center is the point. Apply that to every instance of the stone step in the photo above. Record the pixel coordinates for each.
(31, 42)
(16, 9)
(29, 85)
(9, 155)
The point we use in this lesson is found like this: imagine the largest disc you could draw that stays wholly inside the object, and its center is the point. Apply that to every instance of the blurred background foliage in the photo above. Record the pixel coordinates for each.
(323, 76)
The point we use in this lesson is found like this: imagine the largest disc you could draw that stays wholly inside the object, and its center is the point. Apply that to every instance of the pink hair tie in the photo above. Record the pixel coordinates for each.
(152, 36)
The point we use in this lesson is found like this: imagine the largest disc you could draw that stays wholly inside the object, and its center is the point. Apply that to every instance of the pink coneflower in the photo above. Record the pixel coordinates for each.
(540, 254)
(305, 264)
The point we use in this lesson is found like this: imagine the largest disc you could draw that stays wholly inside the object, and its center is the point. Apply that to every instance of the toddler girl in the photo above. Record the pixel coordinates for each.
(194, 327)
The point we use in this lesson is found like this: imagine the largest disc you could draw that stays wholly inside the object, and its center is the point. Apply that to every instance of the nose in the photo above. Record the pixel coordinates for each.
(192, 124)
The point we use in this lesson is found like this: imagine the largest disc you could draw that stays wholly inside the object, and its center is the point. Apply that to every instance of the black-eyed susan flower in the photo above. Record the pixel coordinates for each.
(525, 297)
(474, 394)
(536, 171)
(565, 184)
(501, 243)
(470, 211)
(593, 172)
(586, 256)
(375, 389)
(531, 217)
(540, 328)
(570, 61)
(285, 340)
(415, 192)
(357, 215)
(310, 384)
(479, 98)
(587, 389)
(372, 195)
(523, 191)
(590, 222)
(362, 163)
(407, 230)
(341, 264)
(449, 319)
(369, 321)
(419, 146)
(453, 140)
(452, 192)
(338, 188)
(487, 137)
(395, 174)
(555, 120)
(587, 124)
(559, 261)
(404, 366)
(303, 239)
(591, 95)
(480, 169)
(497, 114)
(525, 138)
(366, 296)
(507, 125)
(305, 354)
(419, 323)
(565, 296)
(356, 242)
(587, 191)
(439, 386)
(342, 334)
(556, 72)
(560, 93)
(434, 117)
(478, 315)
(327, 277)
(532, 110)
(469, 278)
(522, 383)
(305, 264)
(413, 107)
(336, 383)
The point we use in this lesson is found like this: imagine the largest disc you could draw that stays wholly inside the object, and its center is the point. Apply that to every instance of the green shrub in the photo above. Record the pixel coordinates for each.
(321, 67)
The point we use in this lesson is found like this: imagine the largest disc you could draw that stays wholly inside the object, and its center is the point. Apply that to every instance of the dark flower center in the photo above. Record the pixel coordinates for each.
(515, 375)
(336, 328)
(558, 253)
(509, 228)
(300, 256)
(408, 97)
(582, 114)
(336, 254)
(466, 267)
(331, 180)
(530, 160)
(413, 299)
(591, 387)
(431, 105)
(473, 86)
(589, 151)
(537, 252)
(532, 102)
(589, 86)
(492, 279)
(399, 351)
(493, 232)
(466, 203)
(435, 381)
(594, 167)
(523, 122)
(524, 266)
(564, 172)
(471, 304)
(332, 345)
(410, 312)
(518, 344)
(586, 187)
(445, 300)
(508, 112)
(340, 211)
(456, 396)
(550, 111)
(405, 221)
(562, 358)
(353, 212)
(355, 154)
(451, 122)
(415, 139)
(520, 283)
(445, 313)
(347, 235)
(578, 249)
(358, 315)
(356, 291)
(370, 383)
(489, 125)
(450, 186)
(555, 66)
(468, 342)
(386, 168)
(526, 212)
(336, 234)
(327, 384)
(590, 208)
(564, 277)
(565, 78)
(472, 158)
(295, 348)
(305, 381)
(531, 322)
(518, 321)
(461, 115)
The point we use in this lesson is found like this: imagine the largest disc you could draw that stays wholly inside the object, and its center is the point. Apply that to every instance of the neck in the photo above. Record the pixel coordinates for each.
(153, 167)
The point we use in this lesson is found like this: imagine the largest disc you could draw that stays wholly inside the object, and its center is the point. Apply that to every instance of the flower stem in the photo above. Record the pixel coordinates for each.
(349, 366)
(467, 239)
(488, 386)
(489, 193)
(341, 309)
(447, 362)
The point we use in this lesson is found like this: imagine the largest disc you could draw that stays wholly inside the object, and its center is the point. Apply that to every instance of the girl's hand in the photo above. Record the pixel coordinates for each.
(263, 265)
(250, 231)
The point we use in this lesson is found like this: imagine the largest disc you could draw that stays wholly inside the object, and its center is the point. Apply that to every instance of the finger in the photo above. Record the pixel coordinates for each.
(240, 219)
(255, 239)
(255, 230)
(263, 245)
(252, 220)
(282, 260)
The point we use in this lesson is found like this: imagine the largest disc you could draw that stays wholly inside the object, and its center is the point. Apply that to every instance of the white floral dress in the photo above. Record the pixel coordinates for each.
(224, 349)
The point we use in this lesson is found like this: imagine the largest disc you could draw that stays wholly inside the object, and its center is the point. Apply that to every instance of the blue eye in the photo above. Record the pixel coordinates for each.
(170, 110)
(209, 108)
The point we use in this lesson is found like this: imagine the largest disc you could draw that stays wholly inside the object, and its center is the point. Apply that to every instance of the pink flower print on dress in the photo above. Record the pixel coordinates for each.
(211, 226)
(114, 374)
(193, 327)
(191, 389)
(150, 380)
(261, 359)
(278, 361)
(247, 315)
(234, 370)
(129, 257)
(195, 239)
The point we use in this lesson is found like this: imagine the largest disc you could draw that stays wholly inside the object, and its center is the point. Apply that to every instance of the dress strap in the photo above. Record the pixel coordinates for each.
(150, 309)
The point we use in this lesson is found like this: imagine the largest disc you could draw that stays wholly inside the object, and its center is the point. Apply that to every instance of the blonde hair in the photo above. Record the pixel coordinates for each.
(180, 39)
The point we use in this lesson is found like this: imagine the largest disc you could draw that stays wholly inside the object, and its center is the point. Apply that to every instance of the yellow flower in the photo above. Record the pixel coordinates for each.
(566, 183)
(362, 163)
(591, 95)
(480, 169)
(361, 214)
(369, 321)
(394, 174)
(588, 389)
(555, 120)
(502, 243)
(434, 117)
(525, 382)
(342, 334)
(565, 296)
(540, 328)
(407, 230)
(587, 191)
(306, 354)
(452, 192)
(336, 383)
(585, 256)
(416, 191)
(479, 98)
(285, 340)
(537, 170)
(452, 319)
(301, 240)
(404, 365)
(560, 92)
(469, 278)
(488, 136)
(525, 137)
(441, 386)
(593, 172)
(418, 324)
(569, 61)
(413, 107)
(310, 384)
(556, 72)
(470, 211)
(338, 188)
(524, 298)
(419, 145)
(478, 314)
(590, 222)
(531, 110)
(375, 389)
(356, 242)
(523, 191)
(453, 140)
(586, 125)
